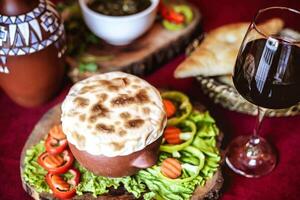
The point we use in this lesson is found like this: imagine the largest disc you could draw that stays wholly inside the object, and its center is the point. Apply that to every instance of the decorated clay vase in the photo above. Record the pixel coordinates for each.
(32, 45)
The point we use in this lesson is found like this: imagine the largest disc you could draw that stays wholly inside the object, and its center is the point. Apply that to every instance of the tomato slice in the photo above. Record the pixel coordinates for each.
(63, 189)
(57, 132)
(169, 14)
(56, 164)
(59, 183)
(55, 146)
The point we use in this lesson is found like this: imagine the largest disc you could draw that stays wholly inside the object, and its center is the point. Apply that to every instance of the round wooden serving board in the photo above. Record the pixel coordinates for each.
(210, 191)
(145, 54)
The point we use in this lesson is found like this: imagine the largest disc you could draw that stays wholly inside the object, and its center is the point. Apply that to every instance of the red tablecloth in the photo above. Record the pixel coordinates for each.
(16, 123)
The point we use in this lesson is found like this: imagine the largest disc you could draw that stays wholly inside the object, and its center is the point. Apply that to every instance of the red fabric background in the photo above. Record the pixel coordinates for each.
(16, 123)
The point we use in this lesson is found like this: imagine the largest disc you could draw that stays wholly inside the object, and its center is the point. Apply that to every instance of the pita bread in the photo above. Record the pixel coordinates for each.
(217, 53)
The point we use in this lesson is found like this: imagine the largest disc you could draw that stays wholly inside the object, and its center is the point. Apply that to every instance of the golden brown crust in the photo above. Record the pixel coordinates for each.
(217, 53)
(114, 112)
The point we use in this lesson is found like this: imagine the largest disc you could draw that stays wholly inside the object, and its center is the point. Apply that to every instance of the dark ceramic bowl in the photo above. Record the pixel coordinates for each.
(120, 165)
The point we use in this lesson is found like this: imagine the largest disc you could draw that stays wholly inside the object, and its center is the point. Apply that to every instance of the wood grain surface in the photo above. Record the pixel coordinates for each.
(145, 54)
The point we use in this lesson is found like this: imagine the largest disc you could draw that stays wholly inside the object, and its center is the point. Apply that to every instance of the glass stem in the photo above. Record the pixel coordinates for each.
(252, 148)
(260, 115)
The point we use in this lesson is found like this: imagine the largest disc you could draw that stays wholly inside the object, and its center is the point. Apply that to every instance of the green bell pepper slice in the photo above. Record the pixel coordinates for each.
(185, 106)
(190, 160)
(169, 148)
(206, 146)
(186, 11)
(197, 153)
(188, 18)
(171, 26)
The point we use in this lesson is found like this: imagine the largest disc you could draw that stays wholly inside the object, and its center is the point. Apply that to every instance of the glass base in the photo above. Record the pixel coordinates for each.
(251, 156)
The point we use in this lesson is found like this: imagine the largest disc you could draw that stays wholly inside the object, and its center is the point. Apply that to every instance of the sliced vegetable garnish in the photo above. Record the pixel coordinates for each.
(168, 13)
(61, 188)
(56, 141)
(190, 159)
(56, 132)
(184, 106)
(186, 11)
(75, 179)
(53, 161)
(56, 164)
(169, 107)
(55, 146)
(57, 182)
(171, 168)
(171, 26)
(172, 135)
(192, 169)
(175, 17)
(188, 125)
(197, 154)
(33, 173)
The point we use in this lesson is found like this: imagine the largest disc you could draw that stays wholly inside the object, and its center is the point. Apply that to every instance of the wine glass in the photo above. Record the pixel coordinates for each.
(267, 74)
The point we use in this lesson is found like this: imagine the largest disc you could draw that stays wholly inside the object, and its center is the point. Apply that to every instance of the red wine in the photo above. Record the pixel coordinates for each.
(267, 73)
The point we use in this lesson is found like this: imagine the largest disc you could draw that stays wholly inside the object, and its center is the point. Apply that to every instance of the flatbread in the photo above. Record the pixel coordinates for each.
(216, 55)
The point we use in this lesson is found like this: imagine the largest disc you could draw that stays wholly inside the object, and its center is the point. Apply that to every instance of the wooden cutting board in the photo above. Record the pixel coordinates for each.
(144, 55)
(210, 191)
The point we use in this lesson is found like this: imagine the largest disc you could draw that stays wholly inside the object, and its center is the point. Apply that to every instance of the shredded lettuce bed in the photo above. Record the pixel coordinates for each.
(200, 160)
(33, 173)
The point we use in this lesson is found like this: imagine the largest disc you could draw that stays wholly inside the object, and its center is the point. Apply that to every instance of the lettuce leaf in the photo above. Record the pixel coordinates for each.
(98, 185)
(165, 188)
(205, 141)
(33, 173)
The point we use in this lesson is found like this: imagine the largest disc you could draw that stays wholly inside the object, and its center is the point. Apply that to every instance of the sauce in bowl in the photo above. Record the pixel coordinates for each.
(119, 7)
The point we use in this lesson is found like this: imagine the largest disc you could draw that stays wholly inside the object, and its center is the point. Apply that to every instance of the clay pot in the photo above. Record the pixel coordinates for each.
(32, 45)
(120, 165)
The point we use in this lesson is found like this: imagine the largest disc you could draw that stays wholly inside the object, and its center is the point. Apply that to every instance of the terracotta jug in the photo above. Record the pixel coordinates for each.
(32, 45)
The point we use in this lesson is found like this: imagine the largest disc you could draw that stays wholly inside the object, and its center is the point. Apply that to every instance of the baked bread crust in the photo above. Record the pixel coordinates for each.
(113, 114)
(217, 53)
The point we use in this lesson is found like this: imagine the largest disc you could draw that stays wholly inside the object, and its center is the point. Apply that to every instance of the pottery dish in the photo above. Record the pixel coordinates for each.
(114, 118)
(32, 48)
